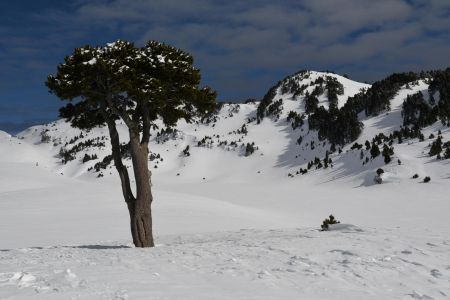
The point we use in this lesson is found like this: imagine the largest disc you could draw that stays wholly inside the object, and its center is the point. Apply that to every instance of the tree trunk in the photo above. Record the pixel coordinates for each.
(139, 208)
(141, 216)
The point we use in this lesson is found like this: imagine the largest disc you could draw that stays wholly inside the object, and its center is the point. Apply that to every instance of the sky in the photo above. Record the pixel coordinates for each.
(241, 47)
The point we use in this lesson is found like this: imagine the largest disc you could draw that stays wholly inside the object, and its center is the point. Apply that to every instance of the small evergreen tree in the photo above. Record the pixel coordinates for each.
(447, 153)
(186, 151)
(327, 222)
(387, 152)
(374, 150)
(436, 147)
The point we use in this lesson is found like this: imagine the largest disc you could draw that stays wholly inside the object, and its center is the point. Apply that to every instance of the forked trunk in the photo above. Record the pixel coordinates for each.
(141, 215)
(139, 207)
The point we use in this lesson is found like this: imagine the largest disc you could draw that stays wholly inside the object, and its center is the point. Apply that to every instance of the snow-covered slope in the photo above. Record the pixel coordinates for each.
(196, 151)
(229, 223)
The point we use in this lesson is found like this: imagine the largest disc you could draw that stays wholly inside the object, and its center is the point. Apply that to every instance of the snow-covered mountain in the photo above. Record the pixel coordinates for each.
(271, 138)
(238, 201)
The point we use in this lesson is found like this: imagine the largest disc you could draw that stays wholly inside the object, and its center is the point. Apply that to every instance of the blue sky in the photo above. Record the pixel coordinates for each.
(242, 47)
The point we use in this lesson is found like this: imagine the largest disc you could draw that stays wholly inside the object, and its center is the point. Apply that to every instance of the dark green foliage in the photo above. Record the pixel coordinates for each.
(447, 153)
(326, 160)
(291, 85)
(265, 102)
(333, 148)
(206, 141)
(186, 151)
(377, 98)
(243, 130)
(269, 97)
(296, 119)
(136, 84)
(334, 88)
(417, 112)
(66, 155)
(45, 138)
(415, 176)
(436, 147)
(88, 157)
(311, 103)
(367, 144)
(427, 179)
(327, 222)
(339, 126)
(154, 156)
(275, 108)
(374, 150)
(441, 83)
(212, 116)
(356, 146)
(249, 149)
(70, 154)
(103, 164)
(387, 153)
(302, 171)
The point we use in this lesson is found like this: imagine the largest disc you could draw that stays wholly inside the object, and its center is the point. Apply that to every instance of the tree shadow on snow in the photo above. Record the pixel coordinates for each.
(101, 247)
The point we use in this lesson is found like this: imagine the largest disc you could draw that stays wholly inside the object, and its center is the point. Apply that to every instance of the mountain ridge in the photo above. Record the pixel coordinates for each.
(278, 136)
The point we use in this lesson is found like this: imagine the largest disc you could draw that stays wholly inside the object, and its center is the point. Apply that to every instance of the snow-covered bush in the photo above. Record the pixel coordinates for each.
(327, 222)
(378, 177)
(45, 138)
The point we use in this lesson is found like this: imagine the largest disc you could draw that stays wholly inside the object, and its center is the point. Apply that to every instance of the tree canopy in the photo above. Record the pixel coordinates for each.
(136, 84)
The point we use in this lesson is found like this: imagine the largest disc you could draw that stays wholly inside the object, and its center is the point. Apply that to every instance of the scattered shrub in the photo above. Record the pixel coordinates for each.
(186, 151)
(45, 138)
(331, 220)
(249, 149)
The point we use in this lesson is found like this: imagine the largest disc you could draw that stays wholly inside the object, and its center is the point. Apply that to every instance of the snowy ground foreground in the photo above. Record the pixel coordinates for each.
(246, 231)
(245, 264)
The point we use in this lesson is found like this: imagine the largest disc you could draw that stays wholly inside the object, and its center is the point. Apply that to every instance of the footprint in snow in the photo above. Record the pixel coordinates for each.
(435, 273)
(416, 295)
(343, 252)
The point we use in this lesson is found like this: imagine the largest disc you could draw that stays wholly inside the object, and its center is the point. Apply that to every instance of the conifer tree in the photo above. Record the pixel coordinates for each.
(436, 147)
(374, 151)
(119, 81)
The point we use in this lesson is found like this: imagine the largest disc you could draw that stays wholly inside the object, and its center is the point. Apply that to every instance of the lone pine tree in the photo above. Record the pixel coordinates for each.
(119, 81)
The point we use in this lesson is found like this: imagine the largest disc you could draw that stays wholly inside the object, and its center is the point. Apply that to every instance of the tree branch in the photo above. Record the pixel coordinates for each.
(121, 169)
(145, 125)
